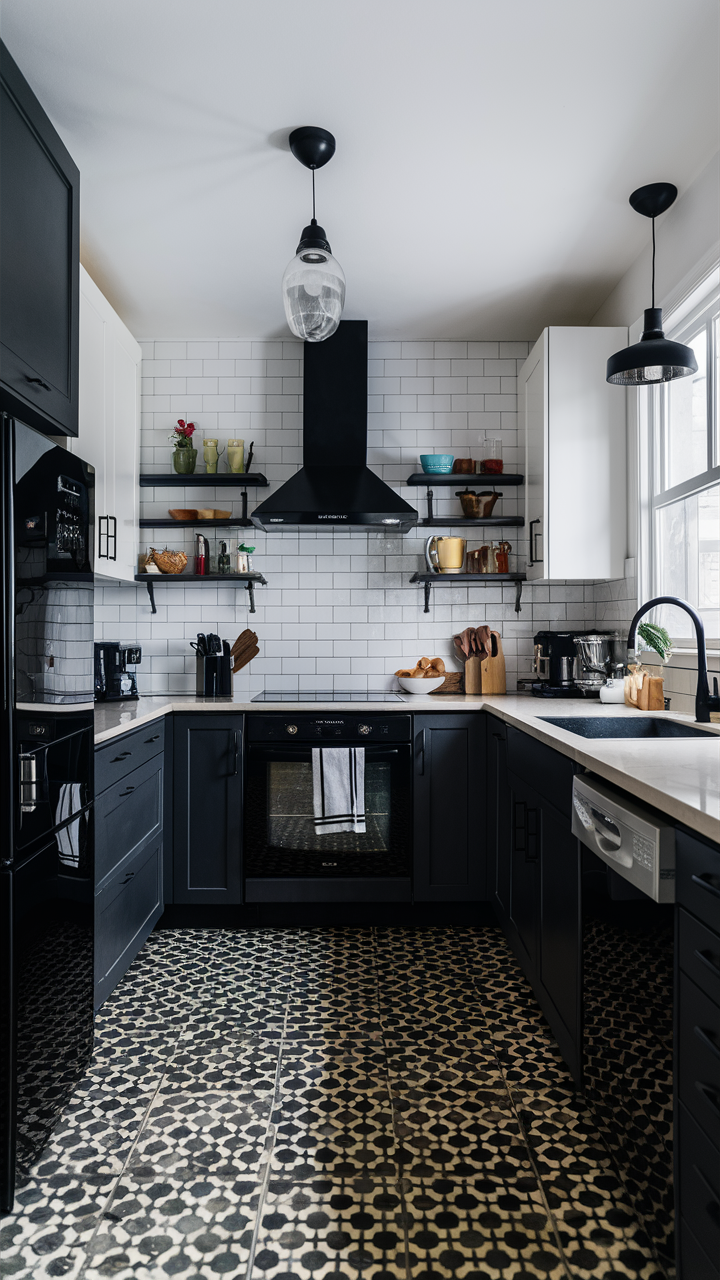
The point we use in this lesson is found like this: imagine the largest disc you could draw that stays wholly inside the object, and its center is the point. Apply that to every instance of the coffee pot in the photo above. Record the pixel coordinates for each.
(445, 555)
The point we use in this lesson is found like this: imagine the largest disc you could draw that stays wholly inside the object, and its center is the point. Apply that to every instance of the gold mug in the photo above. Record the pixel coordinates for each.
(445, 555)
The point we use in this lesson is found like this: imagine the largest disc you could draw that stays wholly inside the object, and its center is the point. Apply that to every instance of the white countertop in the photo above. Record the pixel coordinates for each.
(678, 776)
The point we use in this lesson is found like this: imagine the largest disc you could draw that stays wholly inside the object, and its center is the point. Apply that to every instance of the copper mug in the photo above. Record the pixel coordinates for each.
(445, 555)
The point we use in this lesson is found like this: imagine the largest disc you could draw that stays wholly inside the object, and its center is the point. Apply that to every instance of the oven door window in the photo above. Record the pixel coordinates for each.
(280, 831)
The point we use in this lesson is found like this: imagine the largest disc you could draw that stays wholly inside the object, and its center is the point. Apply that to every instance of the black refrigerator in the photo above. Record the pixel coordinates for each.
(46, 776)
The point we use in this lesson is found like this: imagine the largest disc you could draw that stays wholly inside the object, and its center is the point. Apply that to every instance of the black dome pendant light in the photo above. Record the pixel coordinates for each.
(654, 358)
(314, 282)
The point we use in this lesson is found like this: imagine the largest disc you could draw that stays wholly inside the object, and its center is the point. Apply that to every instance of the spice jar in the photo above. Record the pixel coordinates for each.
(491, 462)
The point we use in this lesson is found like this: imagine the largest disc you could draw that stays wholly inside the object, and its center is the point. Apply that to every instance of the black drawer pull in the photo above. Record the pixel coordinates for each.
(128, 878)
(123, 756)
(704, 1038)
(127, 792)
(713, 1208)
(38, 382)
(709, 1095)
(154, 738)
(706, 957)
(704, 883)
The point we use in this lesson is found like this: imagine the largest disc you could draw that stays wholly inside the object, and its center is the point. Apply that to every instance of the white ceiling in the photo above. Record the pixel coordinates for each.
(485, 150)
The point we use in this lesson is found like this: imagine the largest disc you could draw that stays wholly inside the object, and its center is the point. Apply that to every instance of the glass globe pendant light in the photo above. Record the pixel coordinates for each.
(654, 358)
(314, 282)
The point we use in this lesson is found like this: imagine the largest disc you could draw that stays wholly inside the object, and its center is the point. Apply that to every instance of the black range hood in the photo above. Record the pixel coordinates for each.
(335, 488)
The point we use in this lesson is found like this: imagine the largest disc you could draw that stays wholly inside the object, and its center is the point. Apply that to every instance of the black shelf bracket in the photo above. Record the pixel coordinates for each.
(151, 593)
(251, 593)
(427, 597)
(429, 494)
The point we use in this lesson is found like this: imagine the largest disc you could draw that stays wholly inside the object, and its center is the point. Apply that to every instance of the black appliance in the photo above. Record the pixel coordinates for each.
(553, 660)
(285, 861)
(335, 487)
(113, 681)
(46, 775)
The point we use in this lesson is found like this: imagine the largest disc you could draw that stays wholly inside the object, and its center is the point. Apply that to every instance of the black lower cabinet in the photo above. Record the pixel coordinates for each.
(697, 1058)
(449, 808)
(207, 808)
(537, 875)
(129, 841)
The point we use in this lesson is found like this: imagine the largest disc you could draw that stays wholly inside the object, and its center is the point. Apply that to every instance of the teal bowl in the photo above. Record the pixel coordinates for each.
(437, 464)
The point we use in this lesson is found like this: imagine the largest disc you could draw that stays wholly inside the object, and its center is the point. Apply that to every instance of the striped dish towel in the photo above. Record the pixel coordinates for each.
(338, 789)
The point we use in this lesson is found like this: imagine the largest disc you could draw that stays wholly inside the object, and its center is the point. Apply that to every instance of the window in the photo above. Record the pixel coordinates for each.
(684, 506)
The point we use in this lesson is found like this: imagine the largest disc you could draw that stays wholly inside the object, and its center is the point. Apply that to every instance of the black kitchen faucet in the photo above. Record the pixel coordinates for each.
(705, 702)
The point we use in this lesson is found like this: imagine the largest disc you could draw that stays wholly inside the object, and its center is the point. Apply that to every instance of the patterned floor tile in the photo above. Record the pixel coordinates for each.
(330, 1227)
(189, 1135)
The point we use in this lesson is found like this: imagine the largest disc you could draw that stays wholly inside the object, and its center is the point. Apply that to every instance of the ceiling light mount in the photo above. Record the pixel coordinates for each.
(314, 282)
(654, 358)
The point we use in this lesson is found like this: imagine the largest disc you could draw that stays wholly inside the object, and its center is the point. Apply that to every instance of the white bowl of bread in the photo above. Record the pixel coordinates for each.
(427, 676)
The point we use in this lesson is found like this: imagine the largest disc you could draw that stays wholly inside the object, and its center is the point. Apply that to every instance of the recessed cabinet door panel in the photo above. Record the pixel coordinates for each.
(207, 808)
(125, 912)
(498, 815)
(525, 844)
(39, 262)
(449, 862)
(560, 918)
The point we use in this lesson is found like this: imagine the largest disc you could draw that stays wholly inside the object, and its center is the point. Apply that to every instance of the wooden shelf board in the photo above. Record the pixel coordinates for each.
(468, 579)
(179, 578)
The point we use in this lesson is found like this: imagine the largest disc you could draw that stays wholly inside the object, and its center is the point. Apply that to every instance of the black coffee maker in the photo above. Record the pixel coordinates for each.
(553, 660)
(113, 681)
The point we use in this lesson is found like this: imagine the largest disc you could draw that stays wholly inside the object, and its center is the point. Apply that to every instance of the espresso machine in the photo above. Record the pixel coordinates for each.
(598, 654)
(573, 664)
(113, 681)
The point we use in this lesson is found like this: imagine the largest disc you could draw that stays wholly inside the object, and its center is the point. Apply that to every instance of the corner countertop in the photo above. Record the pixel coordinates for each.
(678, 776)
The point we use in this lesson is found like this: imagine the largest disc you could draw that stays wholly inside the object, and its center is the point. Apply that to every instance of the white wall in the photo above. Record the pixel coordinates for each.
(339, 609)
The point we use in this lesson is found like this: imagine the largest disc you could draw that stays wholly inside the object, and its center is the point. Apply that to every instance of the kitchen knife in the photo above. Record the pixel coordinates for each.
(249, 457)
(202, 644)
(226, 648)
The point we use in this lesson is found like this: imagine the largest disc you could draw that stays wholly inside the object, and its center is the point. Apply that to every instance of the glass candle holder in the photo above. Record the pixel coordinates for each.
(491, 462)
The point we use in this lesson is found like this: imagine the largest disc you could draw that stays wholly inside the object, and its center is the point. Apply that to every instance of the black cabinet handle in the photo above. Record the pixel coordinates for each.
(709, 1095)
(519, 826)
(420, 752)
(704, 882)
(237, 753)
(704, 1038)
(154, 738)
(123, 756)
(128, 878)
(110, 535)
(708, 961)
(37, 382)
(127, 792)
(713, 1208)
(533, 558)
(532, 833)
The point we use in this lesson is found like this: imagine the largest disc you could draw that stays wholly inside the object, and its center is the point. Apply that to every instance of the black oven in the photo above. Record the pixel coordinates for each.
(285, 860)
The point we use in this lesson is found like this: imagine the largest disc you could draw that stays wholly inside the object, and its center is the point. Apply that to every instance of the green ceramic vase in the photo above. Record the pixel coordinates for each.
(184, 461)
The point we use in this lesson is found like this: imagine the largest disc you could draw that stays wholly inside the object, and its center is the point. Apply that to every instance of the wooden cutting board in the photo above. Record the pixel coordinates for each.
(492, 669)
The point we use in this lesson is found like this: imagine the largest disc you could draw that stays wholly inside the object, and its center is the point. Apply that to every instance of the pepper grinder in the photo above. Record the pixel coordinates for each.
(202, 555)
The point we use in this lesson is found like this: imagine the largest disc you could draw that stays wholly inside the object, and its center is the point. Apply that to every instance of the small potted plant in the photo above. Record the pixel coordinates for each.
(184, 453)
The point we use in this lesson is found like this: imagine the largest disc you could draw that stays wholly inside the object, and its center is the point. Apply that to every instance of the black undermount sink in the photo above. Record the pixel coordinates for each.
(625, 727)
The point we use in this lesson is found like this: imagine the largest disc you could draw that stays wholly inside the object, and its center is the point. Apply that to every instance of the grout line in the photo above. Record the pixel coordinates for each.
(266, 1176)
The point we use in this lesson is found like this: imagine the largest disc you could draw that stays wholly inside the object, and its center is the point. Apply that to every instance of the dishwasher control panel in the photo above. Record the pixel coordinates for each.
(631, 839)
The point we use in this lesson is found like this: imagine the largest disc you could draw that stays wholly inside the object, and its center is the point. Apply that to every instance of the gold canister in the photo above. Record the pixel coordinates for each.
(236, 456)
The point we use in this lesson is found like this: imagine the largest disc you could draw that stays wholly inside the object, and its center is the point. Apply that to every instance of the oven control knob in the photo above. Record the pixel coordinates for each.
(291, 728)
(364, 728)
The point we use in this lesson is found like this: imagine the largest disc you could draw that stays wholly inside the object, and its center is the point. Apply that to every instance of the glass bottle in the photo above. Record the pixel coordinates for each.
(223, 559)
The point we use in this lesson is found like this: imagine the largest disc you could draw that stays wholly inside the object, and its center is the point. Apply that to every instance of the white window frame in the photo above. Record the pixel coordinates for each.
(702, 306)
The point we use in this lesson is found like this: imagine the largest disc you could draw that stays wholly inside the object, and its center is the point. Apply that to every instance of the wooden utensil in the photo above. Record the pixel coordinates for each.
(243, 658)
(492, 668)
(246, 640)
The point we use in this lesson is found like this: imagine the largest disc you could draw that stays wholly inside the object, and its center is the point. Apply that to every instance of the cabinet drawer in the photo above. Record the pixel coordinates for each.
(699, 954)
(125, 912)
(698, 1058)
(549, 772)
(699, 1192)
(120, 756)
(127, 815)
(697, 883)
(693, 1261)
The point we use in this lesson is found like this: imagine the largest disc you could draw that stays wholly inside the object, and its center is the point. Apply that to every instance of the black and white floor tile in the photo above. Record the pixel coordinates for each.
(296, 1104)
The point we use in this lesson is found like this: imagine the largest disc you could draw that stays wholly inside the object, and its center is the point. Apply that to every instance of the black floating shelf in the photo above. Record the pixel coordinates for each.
(430, 580)
(225, 481)
(238, 523)
(422, 478)
(493, 522)
(247, 580)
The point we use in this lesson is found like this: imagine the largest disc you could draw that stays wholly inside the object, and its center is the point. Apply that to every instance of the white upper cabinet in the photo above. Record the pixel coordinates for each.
(575, 456)
(109, 429)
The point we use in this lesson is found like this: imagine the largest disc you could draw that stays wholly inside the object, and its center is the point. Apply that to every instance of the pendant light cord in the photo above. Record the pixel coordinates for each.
(314, 219)
(653, 244)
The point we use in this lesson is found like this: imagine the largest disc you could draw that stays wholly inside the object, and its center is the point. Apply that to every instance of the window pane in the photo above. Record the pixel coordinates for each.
(716, 348)
(687, 543)
(686, 420)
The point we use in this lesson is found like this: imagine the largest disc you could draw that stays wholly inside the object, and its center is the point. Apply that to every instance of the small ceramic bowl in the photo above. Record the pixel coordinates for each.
(437, 464)
(420, 684)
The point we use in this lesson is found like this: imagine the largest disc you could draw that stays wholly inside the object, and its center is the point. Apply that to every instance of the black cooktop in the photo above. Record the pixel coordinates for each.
(329, 695)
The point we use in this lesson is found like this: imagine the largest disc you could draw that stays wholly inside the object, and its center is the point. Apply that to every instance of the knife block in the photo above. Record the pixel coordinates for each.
(213, 677)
